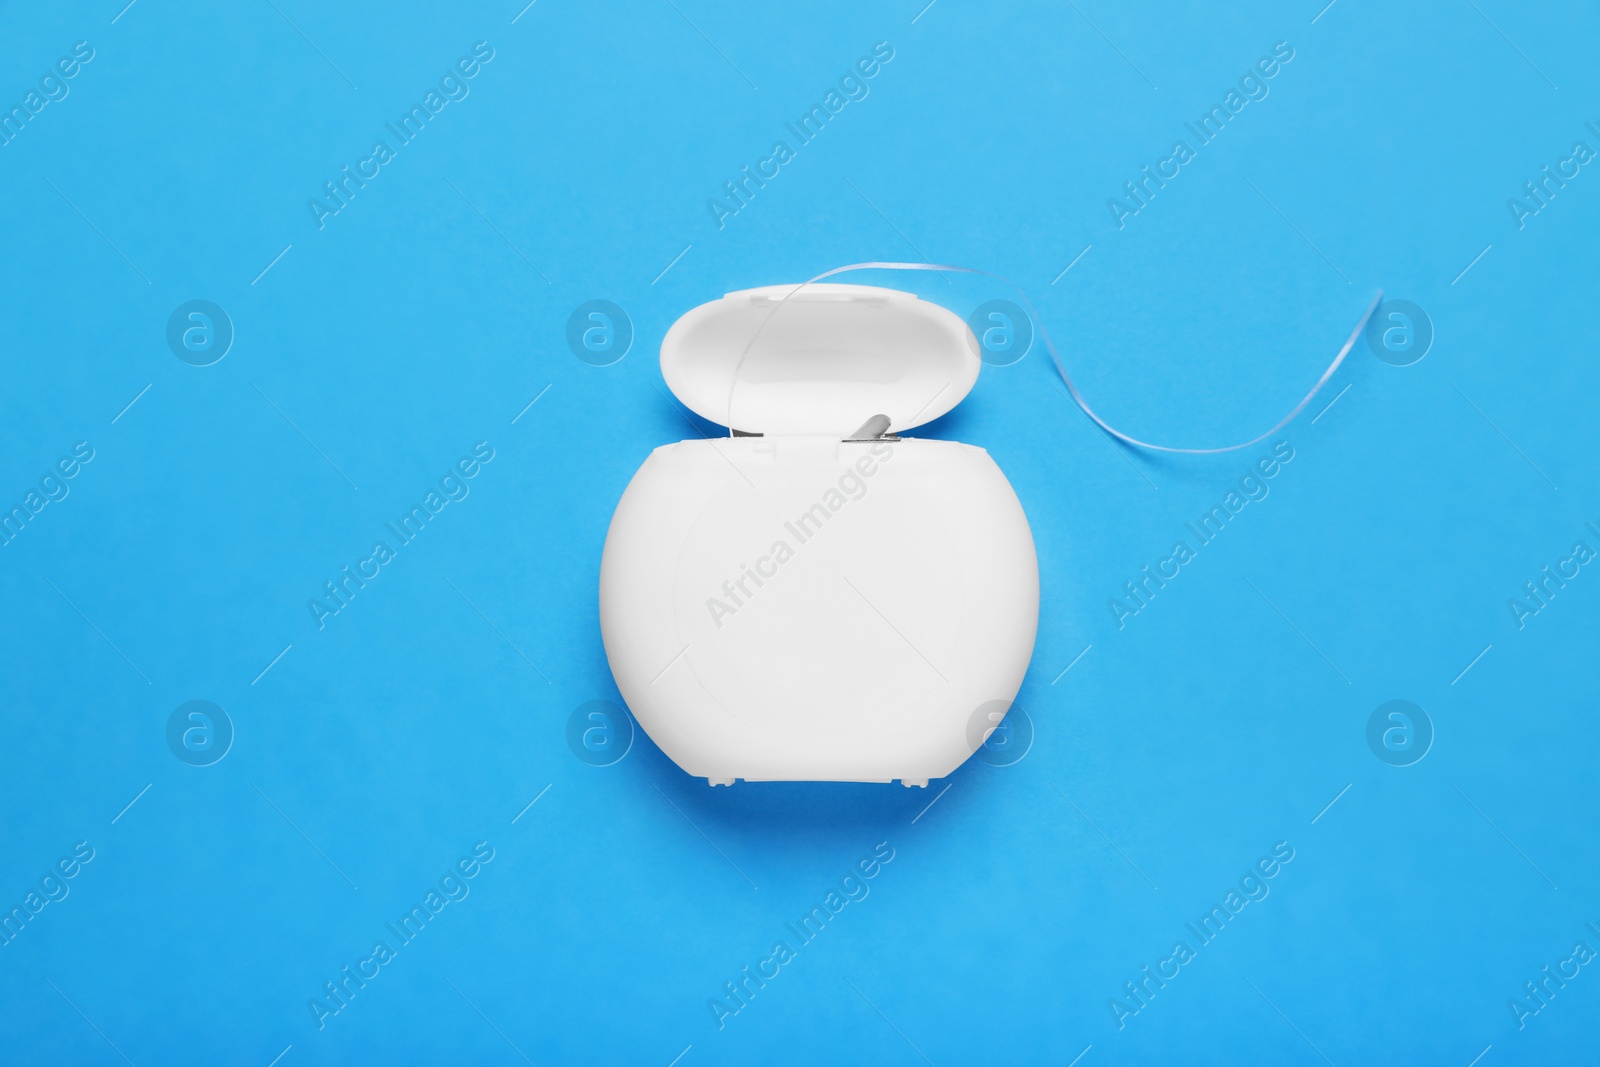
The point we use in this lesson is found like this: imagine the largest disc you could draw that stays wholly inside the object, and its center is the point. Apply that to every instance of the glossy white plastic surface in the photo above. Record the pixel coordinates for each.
(801, 607)
(820, 361)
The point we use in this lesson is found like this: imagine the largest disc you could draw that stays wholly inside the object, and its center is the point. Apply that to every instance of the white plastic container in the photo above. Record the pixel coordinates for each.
(799, 606)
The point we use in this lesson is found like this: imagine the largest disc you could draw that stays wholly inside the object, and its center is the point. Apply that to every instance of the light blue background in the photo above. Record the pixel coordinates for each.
(1173, 754)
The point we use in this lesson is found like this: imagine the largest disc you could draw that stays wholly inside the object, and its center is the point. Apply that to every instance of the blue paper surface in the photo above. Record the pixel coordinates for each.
(243, 345)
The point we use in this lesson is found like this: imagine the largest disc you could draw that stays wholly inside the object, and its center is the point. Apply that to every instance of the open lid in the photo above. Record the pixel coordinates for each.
(821, 362)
